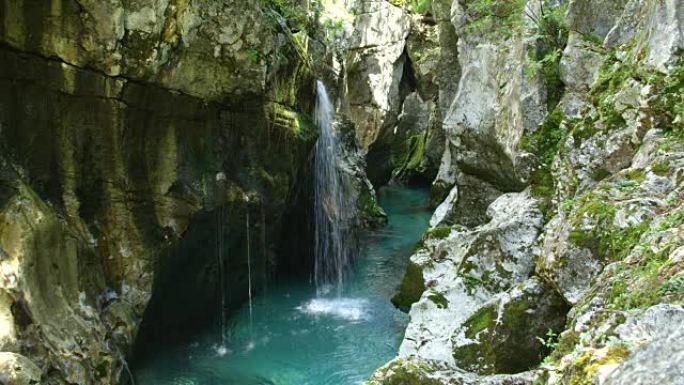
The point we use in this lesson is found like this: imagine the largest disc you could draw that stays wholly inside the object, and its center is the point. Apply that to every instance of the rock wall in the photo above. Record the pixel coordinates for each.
(135, 138)
(394, 72)
(555, 255)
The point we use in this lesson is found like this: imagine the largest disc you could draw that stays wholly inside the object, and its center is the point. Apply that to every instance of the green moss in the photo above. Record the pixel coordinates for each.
(661, 168)
(504, 336)
(544, 143)
(370, 213)
(607, 241)
(405, 373)
(415, 153)
(600, 174)
(566, 344)
(484, 318)
(285, 118)
(586, 366)
(634, 174)
(438, 299)
(411, 289)
(439, 232)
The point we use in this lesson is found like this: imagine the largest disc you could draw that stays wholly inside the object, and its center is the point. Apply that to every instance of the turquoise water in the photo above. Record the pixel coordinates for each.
(296, 337)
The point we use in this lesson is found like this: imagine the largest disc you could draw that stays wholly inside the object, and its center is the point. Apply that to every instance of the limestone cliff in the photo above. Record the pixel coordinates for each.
(555, 258)
(135, 137)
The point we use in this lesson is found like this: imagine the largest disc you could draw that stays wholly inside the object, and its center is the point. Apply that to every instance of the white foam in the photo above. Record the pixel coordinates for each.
(221, 350)
(352, 309)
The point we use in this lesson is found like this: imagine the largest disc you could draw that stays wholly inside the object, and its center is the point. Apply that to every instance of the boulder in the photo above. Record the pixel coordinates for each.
(458, 269)
(508, 334)
(16, 369)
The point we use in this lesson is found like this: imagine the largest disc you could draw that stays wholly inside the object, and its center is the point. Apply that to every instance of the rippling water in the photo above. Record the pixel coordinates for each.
(299, 338)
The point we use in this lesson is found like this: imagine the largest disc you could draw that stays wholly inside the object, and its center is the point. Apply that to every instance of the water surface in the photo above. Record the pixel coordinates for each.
(296, 337)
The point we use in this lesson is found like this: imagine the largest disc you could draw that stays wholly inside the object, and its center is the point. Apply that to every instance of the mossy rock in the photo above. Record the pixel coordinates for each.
(403, 372)
(411, 289)
(504, 335)
(370, 214)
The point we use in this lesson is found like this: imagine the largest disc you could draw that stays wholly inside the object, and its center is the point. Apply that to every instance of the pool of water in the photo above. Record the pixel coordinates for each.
(296, 337)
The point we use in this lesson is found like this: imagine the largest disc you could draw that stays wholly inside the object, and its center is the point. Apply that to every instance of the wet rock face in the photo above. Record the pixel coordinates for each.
(395, 71)
(374, 69)
(195, 47)
(107, 181)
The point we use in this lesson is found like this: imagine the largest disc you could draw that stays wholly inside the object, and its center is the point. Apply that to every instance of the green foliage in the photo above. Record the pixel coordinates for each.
(673, 286)
(544, 143)
(253, 55)
(495, 18)
(565, 345)
(661, 168)
(667, 107)
(646, 283)
(415, 6)
(551, 342)
(612, 78)
(472, 282)
(439, 232)
(639, 287)
(609, 242)
(297, 17)
(673, 219)
(552, 37)
(334, 31)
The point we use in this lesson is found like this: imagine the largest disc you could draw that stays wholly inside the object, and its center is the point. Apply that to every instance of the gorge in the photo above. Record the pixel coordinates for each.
(377, 192)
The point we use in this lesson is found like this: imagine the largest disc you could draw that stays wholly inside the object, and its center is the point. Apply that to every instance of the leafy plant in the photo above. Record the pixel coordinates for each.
(296, 16)
(551, 341)
(552, 37)
(416, 6)
(253, 55)
(495, 18)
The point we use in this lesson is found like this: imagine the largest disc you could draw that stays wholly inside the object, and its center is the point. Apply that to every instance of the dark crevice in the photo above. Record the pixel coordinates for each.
(388, 150)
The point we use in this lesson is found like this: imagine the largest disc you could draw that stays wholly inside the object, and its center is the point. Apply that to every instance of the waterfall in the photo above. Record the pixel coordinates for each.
(249, 272)
(221, 273)
(332, 206)
(124, 363)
